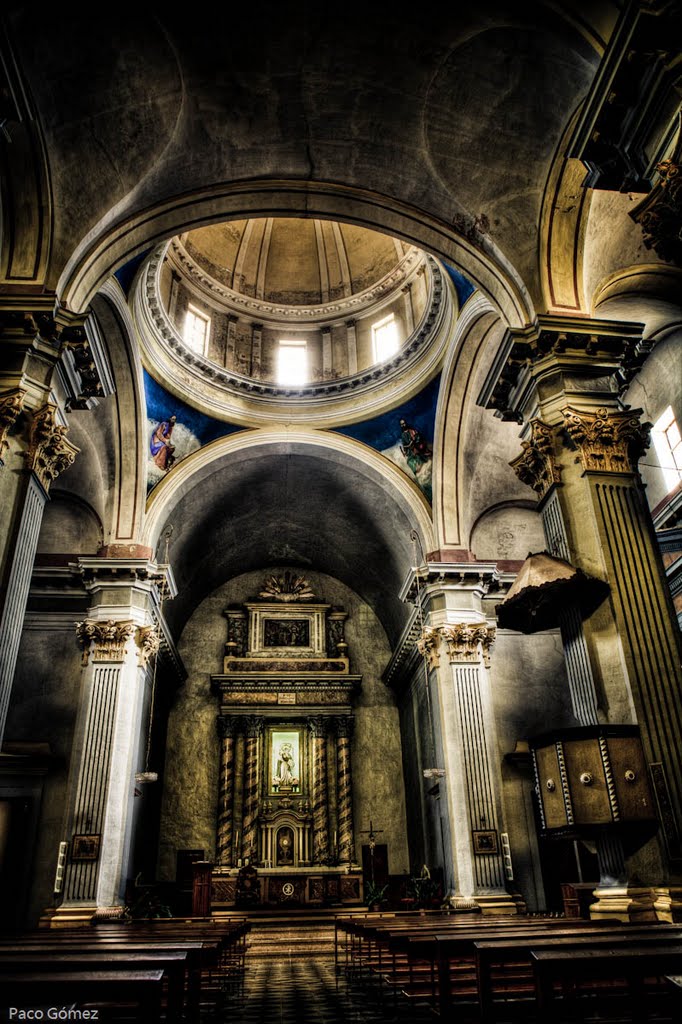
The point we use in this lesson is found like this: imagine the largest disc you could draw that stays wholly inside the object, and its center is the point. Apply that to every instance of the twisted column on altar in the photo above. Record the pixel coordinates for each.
(344, 731)
(318, 730)
(226, 731)
(254, 729)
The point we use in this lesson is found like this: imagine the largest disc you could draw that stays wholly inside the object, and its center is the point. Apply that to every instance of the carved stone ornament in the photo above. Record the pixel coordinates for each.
(536, 466)
(288, 587)
(428, 644)
(464, 639)
(611, 442)
(148, 642)
(49, 452)
(660, 215)
(11, 403)
(109, 639)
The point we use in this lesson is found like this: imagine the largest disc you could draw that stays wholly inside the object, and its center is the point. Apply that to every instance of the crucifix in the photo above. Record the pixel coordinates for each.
(372, 838)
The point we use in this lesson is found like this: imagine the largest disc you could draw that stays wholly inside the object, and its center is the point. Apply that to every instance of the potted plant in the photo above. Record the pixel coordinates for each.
(375, 895)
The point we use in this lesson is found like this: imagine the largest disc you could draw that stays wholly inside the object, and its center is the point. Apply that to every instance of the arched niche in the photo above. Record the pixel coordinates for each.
(69, 526)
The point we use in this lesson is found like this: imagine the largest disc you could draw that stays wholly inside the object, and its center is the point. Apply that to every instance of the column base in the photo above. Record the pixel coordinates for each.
(668, 903)
(629, 903)
(500, 903)
(68, 915)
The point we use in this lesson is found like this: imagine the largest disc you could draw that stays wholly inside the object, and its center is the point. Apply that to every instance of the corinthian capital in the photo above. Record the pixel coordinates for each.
(106, 641)
(536, 466)
(611, 442)
(11, 403)
(464, 641)
(428, 644)
(148, 642)
(49, 452)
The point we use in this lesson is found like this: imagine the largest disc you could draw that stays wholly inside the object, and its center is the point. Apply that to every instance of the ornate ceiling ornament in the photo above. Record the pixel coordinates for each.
(109, 639)
(463, 640)
(287, 588)
(11, 403)
(537, 466)
(611, 442)
(428, 644)
(148, 642)
(49, 452)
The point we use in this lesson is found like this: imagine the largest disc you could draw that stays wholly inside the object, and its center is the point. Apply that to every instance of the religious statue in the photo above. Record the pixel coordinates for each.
(160, 447)
(284, 771)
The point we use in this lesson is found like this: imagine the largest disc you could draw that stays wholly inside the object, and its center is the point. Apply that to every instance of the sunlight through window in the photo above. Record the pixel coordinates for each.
(668, 443)
(195, 332)
(385, 339)
(292, 363)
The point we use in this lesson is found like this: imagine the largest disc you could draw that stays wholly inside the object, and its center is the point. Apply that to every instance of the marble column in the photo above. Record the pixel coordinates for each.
(409, 311)
(226, 731)
(254, 732)
(352, 347)
(256, 350)
(327, 354)
(318, 732)
(346, 836)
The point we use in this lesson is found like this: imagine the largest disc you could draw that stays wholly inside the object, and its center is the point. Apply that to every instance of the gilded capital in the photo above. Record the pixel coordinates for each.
(467, 642)
(11, 403)
(106, 641)
(253, 725)
(611, 442)
(148, 642)
(537, 466)
(227, 726)
(428, 644)
(49, 453)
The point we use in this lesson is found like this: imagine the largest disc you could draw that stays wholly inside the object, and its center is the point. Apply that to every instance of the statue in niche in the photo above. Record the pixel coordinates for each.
(285, 767)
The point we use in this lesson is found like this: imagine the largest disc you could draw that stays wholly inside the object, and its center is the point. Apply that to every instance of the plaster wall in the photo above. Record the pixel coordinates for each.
(188, 815)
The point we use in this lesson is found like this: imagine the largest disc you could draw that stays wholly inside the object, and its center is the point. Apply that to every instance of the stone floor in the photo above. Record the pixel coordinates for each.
(291, 979)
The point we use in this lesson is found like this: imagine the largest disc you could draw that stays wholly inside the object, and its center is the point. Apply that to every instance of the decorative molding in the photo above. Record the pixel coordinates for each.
(11, 404)
(261, 309)
(49, 452)
(428, 644)
(345, 726)
(109, 639)
(465, 639)
(148, 643)
(610, 442)
(227, 726)
(287, 587)
(253, 726)
(537, 466)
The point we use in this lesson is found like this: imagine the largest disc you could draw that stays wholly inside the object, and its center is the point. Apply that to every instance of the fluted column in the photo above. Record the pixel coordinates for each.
(49, 454)
(117, 654)
(254, 731)
(318, 731)
(226, 731)
(346, 838)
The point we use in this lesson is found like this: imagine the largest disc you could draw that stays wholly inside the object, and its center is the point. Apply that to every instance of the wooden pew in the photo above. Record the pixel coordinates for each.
(631, 964)
(107, 988)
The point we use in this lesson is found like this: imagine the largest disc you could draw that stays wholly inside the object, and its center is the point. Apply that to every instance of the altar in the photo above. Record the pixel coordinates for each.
(285, 721)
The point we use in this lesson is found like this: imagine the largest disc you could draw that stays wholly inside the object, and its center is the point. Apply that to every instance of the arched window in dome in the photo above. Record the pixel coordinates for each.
(292, 362)
(195, 331)
(385, 339)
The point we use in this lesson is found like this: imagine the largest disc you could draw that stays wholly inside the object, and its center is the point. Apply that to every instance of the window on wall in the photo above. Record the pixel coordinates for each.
(195, 331)
(668, 444)
(292, 362)
(385, 339)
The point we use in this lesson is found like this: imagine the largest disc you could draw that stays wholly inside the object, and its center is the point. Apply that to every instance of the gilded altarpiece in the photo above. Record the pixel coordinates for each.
(285, 721)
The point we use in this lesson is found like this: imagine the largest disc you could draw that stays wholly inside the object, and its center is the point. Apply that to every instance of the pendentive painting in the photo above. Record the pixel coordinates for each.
(174, 430)
(405, 436)
(285, 759)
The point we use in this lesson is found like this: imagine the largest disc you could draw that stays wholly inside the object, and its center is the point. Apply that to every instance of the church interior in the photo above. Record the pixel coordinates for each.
(341, 505)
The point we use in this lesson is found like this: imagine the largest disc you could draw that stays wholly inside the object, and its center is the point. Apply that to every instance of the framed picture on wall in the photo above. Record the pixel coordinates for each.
(85, 847)
(485, 841)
